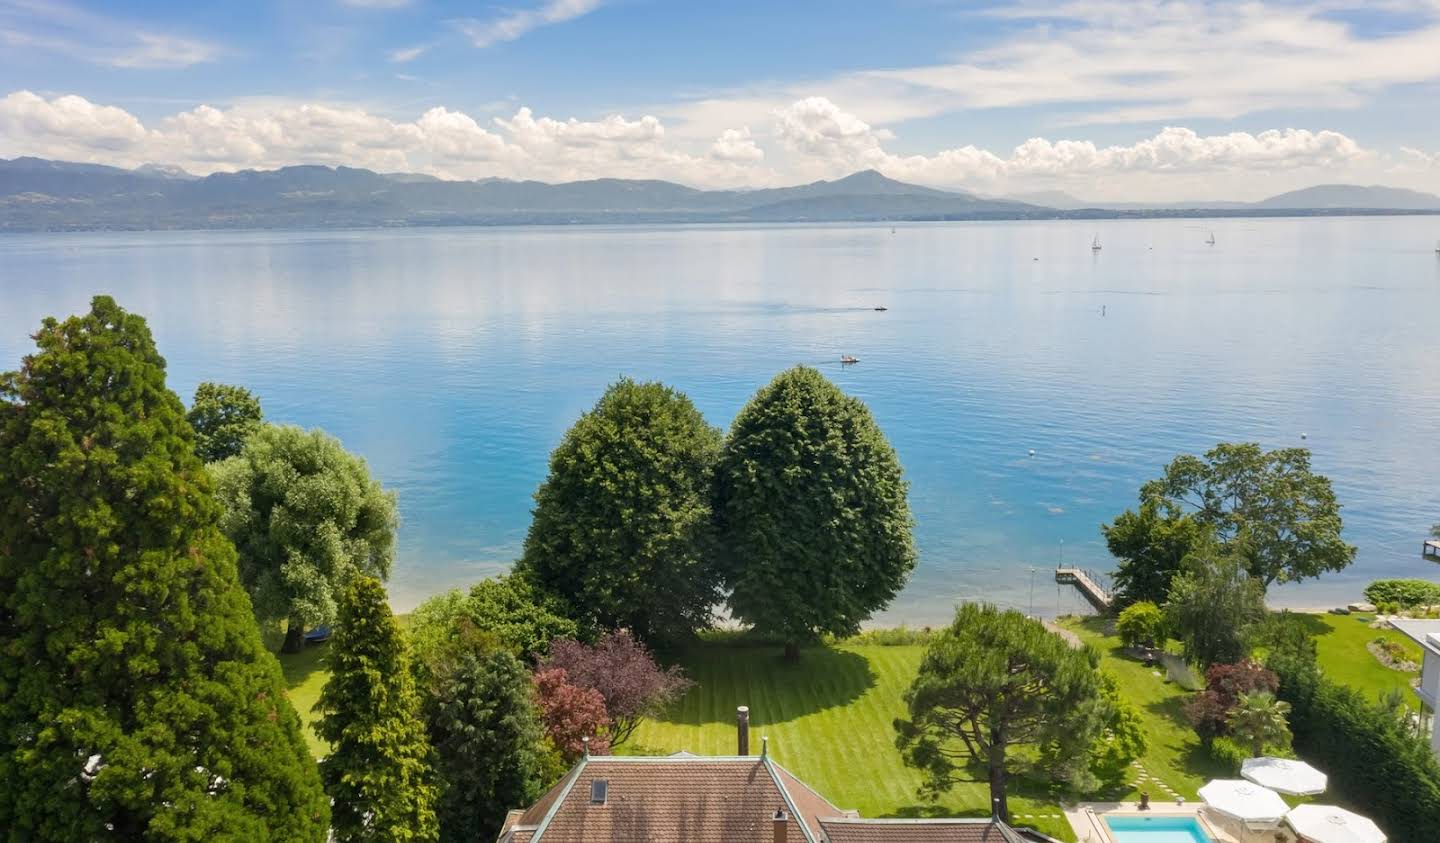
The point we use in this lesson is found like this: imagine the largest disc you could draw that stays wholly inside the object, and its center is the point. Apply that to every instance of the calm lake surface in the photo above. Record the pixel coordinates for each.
(455, 359)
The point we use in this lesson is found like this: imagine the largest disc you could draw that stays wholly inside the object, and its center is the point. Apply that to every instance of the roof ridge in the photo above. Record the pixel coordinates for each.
(771, 767)
(559, 799)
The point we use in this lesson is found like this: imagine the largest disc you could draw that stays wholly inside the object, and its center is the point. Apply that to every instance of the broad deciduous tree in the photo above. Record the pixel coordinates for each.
(519, 618)
(1141, 625)
(1267, 506)
(814, 524)
(136, 700)
(306, 518)
(625, 675)
(1150, 543)
(378, 771)
(222, 416)
(991, 682)
(622, 527)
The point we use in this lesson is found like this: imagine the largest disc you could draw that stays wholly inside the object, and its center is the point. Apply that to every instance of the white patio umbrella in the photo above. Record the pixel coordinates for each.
(1245, 801)
(1329, 824)
(1284, 775)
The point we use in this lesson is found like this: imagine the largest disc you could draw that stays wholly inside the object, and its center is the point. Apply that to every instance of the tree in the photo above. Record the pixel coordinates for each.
(1141, 625)
(1150, 545)
(378, 770)
(622, 526)
(814, 525)
(488, 740)
(136, 700)
(1267, 506)
(520, 618)
(571, 714)
(1209, 711)
(1122, 739)
(1259, 720)
(222, 416)
(1213, 608)
(626, 676)
(991, 682)
(306, 518)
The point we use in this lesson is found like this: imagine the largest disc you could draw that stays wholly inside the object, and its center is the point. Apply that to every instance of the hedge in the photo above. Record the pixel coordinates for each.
(1377, 765)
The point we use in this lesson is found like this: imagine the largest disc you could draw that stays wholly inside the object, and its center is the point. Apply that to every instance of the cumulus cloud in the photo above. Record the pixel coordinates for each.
(512, 25)
(448, 143)
(736, 145)
(814, 138)
(837, 142)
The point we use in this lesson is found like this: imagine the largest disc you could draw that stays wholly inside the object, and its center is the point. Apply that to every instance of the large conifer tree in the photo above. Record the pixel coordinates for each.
(378, 771)
(136, 700)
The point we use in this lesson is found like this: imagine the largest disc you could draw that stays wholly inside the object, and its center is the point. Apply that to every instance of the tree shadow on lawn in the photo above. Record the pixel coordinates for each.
(1019, 786)
(727, 675)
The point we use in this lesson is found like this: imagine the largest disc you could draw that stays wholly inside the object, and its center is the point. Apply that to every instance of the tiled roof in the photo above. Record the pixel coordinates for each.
(673, 800)
(844, 830)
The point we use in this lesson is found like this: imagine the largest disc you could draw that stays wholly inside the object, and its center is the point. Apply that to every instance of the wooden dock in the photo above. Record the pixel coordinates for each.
(1081, 579)
(1431, 549)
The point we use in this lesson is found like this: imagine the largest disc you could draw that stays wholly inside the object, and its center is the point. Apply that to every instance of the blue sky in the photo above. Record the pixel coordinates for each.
(1103, 98)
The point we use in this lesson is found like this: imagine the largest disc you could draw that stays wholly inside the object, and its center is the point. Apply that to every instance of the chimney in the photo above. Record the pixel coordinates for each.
(742, 727)
(781, 823)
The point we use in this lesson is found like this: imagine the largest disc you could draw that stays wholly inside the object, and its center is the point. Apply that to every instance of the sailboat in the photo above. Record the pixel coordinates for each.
(1437, 247)
(1095, 244)
(1211, 241)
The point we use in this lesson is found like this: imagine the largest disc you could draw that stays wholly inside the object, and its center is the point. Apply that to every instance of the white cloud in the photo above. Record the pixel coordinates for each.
(812, 138)
(376, 4)
(736, 145)
(832, 142)
(55, 27)
(512, 25)
(407, 54)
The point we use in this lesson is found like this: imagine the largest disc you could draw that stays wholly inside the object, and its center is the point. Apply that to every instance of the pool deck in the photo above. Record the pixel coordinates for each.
(1087, 820)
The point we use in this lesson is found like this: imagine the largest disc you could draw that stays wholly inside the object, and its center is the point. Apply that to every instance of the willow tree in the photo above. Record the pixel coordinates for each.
(136, 700)
(306, 518)
(814, 527)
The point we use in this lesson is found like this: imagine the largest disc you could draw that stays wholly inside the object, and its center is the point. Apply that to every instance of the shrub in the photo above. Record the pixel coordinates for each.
(624, 674)
(1403, 594)
(1209, 711)
(895, 636)
(571, 714)
(1228, 752)
(1141, 625)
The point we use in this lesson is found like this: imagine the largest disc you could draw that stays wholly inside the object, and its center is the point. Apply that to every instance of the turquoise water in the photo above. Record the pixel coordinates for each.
(1157, 830)
(454, 359)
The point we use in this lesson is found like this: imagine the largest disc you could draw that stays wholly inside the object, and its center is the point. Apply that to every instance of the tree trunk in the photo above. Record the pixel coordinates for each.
(294, 636)
(792, 652)
(998, 802)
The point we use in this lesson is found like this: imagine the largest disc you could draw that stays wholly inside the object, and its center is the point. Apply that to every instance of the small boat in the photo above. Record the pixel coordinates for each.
(1095, 244)
(847, 359)
(1437, 247)
(318, 635)
(882, 309)
(1211, 241)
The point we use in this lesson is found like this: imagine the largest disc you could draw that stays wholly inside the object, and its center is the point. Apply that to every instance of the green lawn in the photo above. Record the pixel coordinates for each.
(1340, 641)
(829, 722)
(305, 674)
(1175, 756)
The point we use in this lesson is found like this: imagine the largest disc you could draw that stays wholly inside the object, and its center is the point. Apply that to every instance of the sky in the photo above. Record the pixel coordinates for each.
(1103, 99)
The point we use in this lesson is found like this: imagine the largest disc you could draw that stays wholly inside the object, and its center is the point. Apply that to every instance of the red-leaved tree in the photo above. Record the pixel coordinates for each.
(625, 674)
(571, 714)
(1209, 711)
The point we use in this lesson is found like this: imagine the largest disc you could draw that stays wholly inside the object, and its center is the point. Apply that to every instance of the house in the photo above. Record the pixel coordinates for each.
(1426, 633)
(738, 798)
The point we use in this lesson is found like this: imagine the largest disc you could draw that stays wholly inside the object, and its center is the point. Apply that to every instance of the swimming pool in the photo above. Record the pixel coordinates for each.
(1157, 830)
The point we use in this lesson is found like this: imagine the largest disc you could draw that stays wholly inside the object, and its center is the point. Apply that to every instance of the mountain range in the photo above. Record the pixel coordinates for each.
(37, 194)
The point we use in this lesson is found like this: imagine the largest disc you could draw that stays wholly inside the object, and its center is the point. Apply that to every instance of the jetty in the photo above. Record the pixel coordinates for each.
(1088, 585)
(1431, 549)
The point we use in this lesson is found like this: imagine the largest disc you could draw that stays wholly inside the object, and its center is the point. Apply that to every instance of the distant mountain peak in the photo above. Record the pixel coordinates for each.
(165, 171)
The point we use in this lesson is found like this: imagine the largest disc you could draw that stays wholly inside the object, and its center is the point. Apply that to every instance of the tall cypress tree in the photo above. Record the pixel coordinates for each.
(378, 771)
(136, 700)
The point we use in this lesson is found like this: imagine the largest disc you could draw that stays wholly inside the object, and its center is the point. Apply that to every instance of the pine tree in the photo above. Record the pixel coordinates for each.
(378, 771)
(136, 699)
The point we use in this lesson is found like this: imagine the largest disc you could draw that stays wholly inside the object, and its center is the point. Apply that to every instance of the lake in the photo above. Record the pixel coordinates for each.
(454, 359)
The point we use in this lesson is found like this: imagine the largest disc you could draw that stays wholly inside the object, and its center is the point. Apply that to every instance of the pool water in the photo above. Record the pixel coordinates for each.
(1157, 830)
